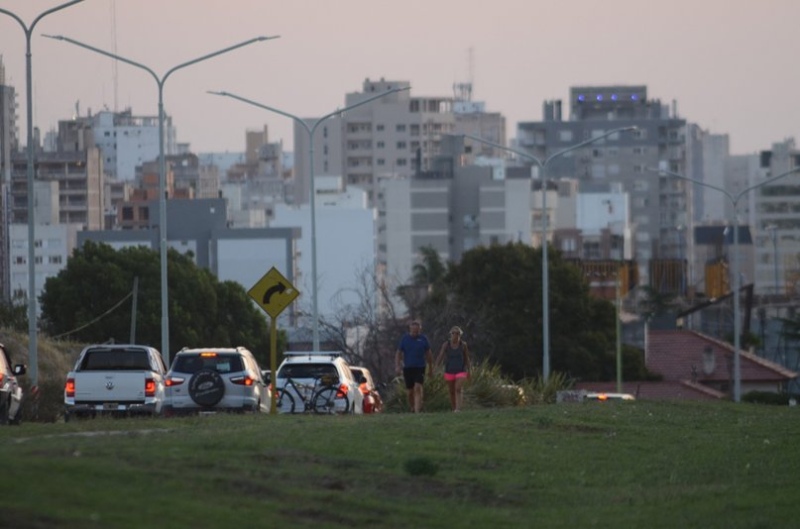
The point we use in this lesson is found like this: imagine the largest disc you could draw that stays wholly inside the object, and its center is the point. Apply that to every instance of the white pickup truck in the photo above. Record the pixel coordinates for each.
(115, 379)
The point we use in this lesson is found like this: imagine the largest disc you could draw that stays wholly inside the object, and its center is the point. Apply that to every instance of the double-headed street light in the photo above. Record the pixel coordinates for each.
(545, 273)
(33, 360)
(734, 198)
(162, 165)
(310, 129)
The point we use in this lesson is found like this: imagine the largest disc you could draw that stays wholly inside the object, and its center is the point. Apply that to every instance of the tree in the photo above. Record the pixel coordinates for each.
(89, 301)
(498, 292)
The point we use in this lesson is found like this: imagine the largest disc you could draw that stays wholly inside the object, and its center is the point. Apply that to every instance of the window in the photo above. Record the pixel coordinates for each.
(401, 128)
(402, 161)
(55, 259)
(401, 145)
(127, 213)
(380, 145)
(640, 150)
(565, 135)
(379, 128)
(20, 260)
(38, 259)
(381, 161)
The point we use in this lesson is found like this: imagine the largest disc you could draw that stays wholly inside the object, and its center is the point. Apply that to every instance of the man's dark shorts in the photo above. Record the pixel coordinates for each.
(413, 375)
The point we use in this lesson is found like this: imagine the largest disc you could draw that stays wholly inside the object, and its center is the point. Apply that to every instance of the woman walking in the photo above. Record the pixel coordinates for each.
(455, 355)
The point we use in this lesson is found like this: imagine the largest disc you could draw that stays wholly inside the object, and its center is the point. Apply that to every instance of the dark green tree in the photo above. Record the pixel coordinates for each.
(91, 298)
(498, 292)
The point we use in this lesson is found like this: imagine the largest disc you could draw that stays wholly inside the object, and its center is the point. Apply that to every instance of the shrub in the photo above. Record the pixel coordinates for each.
(766, 397)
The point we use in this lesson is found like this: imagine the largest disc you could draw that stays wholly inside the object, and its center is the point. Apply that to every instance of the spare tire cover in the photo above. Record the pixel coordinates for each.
(206, 387)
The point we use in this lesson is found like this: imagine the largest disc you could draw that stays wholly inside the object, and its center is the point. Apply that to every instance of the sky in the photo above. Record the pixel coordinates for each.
(730, 65)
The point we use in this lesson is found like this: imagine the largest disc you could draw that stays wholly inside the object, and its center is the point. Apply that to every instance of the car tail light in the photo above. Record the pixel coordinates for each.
(245, 380)
(364, 389)
(1, 378)
(149, 387)
(173, 381)
(69, 387)
(343, 389)
(602, 396)
(208, 355)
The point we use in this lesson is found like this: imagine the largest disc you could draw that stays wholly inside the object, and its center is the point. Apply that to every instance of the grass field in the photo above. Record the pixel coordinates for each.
(639, 464)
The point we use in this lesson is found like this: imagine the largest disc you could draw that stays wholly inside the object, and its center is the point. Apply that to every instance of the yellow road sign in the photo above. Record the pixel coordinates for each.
(273, 292)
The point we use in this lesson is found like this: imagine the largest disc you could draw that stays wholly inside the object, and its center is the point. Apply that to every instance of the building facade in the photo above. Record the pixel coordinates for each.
(658, 203)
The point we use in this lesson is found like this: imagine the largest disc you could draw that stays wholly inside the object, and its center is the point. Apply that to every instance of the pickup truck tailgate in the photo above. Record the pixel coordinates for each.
(110, 386)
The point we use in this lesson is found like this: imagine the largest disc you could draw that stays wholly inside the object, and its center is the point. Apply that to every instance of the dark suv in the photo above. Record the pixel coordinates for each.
(10, 390)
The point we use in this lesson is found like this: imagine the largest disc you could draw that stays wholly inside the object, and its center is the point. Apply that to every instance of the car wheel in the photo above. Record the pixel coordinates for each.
(206, 387)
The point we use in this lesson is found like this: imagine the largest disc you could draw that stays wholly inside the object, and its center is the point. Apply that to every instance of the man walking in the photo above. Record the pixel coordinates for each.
(412, 357)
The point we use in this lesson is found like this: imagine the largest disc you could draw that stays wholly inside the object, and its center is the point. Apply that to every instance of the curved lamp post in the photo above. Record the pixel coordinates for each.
(28, 30)
(543, 163)
(162, 165)
(734, 198)
(310, 129)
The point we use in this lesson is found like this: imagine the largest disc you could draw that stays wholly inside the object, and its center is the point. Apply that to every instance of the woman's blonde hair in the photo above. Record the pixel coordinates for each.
(457, 329)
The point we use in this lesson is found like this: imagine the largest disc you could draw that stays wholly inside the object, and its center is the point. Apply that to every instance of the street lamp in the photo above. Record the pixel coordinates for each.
(737, 379)
(545, 279)
(162, 165)
(310, 129)
(33, 359)
(773, 231)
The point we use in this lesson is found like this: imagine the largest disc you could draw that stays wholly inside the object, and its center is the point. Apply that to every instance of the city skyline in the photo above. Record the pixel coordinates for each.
(725, 64)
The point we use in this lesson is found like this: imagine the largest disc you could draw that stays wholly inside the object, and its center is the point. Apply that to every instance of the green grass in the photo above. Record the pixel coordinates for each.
(640, 464)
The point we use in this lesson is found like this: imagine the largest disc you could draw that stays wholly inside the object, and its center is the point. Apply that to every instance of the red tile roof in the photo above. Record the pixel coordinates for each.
(690, 364)
(689, 355)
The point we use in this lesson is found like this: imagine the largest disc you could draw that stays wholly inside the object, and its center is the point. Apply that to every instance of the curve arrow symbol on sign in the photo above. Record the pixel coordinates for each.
(276, 289)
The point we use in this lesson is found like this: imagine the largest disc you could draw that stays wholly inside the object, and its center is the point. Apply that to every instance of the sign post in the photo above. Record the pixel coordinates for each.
(273, 293)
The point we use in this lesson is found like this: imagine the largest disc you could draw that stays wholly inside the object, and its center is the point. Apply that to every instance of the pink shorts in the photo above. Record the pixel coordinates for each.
(455, 376)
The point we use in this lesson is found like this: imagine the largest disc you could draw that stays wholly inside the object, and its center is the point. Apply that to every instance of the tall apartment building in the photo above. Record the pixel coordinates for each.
(8, 144)
(658, 204)
(78, 187)
(452, 215)
(777, 227)
(125, 141)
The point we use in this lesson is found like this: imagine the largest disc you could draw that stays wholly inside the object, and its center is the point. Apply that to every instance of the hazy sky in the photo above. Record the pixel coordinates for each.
(731, 65)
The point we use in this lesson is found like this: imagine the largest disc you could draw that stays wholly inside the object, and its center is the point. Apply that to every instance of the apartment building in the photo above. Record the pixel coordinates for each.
(777, 225)
(9, 143)
(658, 204)
(452, 215)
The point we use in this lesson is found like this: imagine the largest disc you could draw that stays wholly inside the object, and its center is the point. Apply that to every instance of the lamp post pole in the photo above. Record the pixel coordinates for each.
(737, 375)
(33, 359)
(545, 272)
(773, 231)
(162, 164)
(310, 129)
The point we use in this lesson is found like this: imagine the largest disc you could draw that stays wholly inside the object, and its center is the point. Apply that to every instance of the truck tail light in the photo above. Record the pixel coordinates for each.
(173, 381)
(245, 380)
(149, 387)
(69, 387)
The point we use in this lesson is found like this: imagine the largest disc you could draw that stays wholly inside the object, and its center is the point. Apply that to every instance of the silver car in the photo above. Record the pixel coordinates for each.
(215, 379)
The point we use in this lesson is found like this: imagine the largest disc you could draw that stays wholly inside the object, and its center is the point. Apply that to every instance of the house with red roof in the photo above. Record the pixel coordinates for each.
(694, 366)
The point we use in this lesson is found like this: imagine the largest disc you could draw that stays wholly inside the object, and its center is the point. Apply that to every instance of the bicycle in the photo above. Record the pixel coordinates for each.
(325, 400)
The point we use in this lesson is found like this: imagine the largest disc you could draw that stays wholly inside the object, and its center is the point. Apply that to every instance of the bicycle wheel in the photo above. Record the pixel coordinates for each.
(326, 402)
(285, 402)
